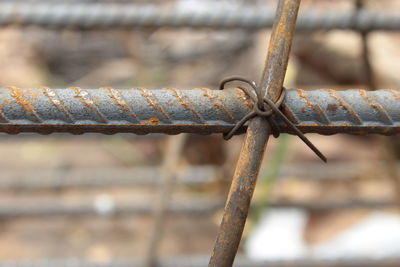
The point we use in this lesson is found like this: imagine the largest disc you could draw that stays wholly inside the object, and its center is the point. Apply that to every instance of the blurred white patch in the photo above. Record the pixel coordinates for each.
(279, 235)
(104, 205)
(206, 6)
(377, 236)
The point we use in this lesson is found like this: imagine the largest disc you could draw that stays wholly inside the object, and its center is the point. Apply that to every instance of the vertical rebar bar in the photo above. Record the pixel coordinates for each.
(247, 168)
(171, 158)
(366, 60)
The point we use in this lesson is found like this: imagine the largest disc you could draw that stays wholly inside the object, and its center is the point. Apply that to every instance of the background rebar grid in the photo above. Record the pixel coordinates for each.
(106, 15)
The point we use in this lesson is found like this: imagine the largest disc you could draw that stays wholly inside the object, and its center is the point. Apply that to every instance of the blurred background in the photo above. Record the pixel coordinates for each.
(90, 200)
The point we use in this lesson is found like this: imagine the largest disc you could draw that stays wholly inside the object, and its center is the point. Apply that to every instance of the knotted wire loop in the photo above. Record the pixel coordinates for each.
(266, 108)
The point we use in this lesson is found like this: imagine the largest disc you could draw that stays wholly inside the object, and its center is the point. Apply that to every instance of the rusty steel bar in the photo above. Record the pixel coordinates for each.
(102, 177)
(201, 261)
(43, 179)
(103, 206)
(108, 15)
(171, 111)
(258, 132)
(200, 206)
(172, 155)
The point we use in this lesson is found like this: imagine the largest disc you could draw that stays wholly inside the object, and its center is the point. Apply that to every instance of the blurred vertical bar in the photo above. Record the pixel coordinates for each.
(172, 155)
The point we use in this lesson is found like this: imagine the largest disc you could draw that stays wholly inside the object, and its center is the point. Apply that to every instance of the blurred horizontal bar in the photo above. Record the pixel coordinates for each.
(201, 261)
(103, 205)
(106, 15)
(201, 110)
(54, 179)
(100, 177)
(106, 206)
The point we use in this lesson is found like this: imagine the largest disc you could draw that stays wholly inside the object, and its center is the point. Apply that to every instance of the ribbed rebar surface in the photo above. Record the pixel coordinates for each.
(103, 15)
(200, 110)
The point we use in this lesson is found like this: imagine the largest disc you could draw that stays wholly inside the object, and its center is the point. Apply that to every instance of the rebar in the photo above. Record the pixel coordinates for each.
(257, 135)
(201, 260)
(55, 179)
(172, 155)
(59, 179)
(103, 206)
(106, 15)
(201, 110)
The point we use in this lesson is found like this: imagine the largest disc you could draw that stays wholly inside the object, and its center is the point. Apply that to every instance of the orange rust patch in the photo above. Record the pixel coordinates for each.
(154, 121)
(301, 94)
(87, 101)
(208, 93)
(150, 99)
(186, 104)
(119, 100)
(57, 103)
(395, 93)
(18, 95)
(245, 99)
(364, 95)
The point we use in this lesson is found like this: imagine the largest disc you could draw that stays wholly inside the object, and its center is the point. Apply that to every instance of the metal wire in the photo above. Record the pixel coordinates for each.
(200, 110)
(105, 15)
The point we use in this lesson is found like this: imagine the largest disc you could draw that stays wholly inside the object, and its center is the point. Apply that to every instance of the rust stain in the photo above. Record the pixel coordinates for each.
(87, 101)
(395, 93)
(18, 95)
(119, 100)
(345, 106)
(212, 97)
(154, 121)
(321, 113)
(243, 97)
(57, 103)
(302, 94)
(153, 102)
(185, 102)
(378, 107)
(332, 107)
(364, 95)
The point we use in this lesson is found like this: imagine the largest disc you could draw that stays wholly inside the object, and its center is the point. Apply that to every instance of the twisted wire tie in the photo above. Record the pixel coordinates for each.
(266, 108)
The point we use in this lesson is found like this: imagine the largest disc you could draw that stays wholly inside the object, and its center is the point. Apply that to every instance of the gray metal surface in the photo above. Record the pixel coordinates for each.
(104, 15)
(200, 110)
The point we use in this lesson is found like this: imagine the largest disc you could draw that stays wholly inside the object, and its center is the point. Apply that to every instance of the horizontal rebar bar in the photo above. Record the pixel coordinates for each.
(107, 206)
(100, 177)
(102, 206)
(54, 179)
(105, 15)
(201, 261)
(201, 110)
